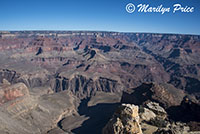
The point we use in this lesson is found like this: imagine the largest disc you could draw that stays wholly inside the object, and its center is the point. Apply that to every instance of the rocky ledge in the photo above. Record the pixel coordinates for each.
(152, 119)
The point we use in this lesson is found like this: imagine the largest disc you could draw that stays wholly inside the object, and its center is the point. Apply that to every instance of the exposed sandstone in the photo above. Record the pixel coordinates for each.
(147, 114)
(160, 112)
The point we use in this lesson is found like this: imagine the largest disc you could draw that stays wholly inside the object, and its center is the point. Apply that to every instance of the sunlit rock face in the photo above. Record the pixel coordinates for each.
(125, 121)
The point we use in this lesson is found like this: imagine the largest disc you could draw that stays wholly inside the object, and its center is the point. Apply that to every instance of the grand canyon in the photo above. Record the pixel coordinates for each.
(95, 82)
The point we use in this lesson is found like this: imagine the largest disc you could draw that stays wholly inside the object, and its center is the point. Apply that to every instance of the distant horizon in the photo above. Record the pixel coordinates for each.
(38, 30)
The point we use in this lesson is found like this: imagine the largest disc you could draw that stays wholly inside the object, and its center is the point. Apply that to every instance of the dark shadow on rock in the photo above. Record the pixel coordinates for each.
(189, 114)
(176, 113)
(186, 112)
(98, 115)
(139, 95)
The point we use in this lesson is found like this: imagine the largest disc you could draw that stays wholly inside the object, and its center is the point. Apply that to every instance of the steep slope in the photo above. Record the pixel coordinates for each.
(23, 113)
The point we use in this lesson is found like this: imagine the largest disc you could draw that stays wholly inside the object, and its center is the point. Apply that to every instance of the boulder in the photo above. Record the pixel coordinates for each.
(157, 109)
(147, 114)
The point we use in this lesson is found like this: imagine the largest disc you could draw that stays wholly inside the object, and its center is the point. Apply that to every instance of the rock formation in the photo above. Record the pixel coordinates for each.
(85, 87)
(147, 114)
(11, 93)
(159, 111)
(165, 94)
(24, 113)
(124, 121)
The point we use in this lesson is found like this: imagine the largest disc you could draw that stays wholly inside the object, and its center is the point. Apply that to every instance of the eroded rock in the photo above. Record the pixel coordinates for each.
(124, 121)
(147, 114)
(174, 128)
(9, 93)
(156, 108)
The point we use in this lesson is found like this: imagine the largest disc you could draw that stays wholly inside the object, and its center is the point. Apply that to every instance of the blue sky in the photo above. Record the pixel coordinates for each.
(101, 15)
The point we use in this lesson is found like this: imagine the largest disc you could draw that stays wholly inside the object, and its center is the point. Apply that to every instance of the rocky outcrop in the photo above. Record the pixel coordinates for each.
(187, 112)
(124, 121)
(165, 94)
(147, 114)
(158, 110)
(192, 107)
(175, 128)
